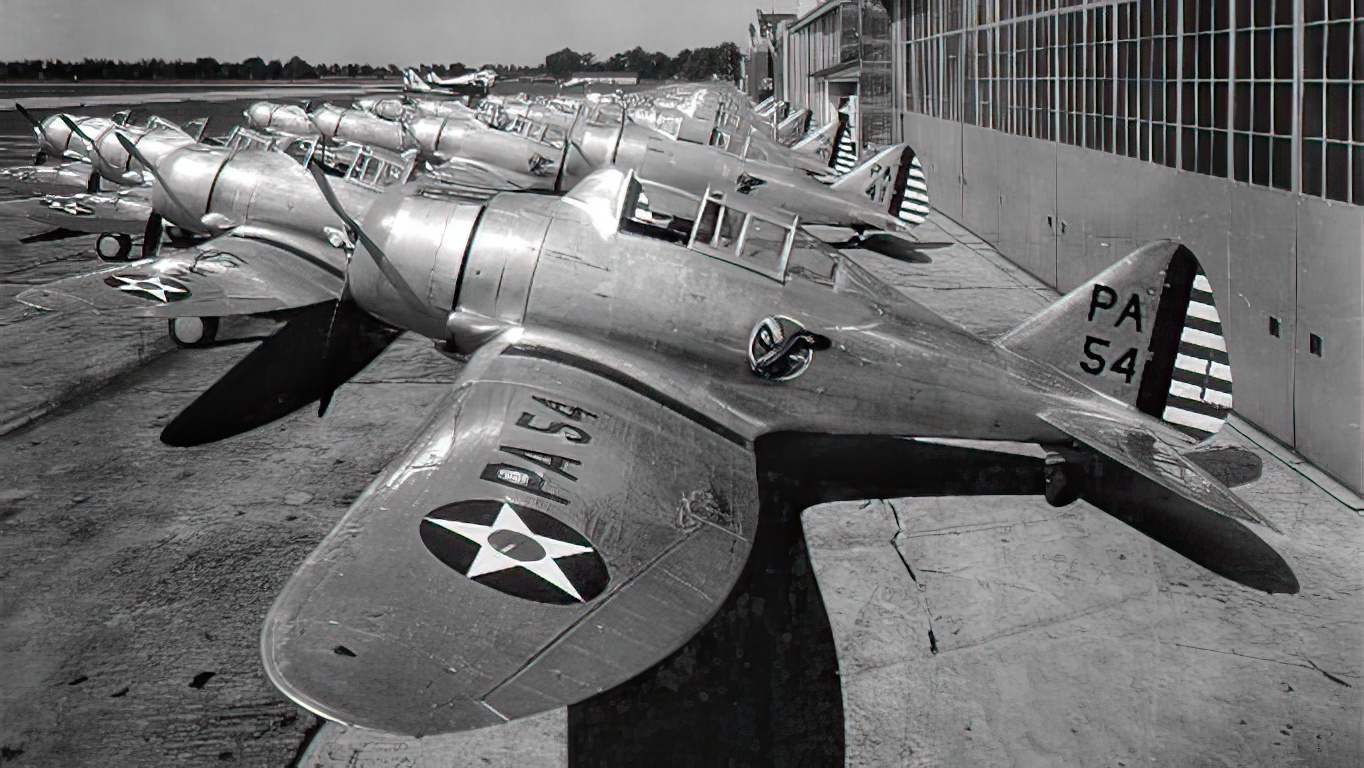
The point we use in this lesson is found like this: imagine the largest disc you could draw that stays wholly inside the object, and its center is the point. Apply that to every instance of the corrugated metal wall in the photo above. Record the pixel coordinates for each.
(1065, 213)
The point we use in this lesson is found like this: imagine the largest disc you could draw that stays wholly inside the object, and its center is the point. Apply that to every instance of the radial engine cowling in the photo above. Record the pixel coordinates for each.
(191, 172)
(425, 239)
(283, 118)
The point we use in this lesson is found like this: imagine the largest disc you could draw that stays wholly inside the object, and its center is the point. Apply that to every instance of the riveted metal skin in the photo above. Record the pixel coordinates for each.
(260, 188)
(56, 139)
(113, 162)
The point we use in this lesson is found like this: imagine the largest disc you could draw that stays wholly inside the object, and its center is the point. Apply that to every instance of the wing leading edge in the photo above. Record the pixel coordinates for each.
(530, 549)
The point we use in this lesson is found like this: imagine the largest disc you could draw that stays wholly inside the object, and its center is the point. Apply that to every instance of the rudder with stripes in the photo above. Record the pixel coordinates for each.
(1145, 331)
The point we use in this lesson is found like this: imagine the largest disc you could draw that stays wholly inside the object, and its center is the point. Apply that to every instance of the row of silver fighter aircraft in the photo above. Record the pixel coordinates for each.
(631, 287)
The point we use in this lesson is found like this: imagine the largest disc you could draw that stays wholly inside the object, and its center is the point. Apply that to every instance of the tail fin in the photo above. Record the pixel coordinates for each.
(893, 180)
(819, 142)
(413, 81)
(843, 156)
(1119, 333)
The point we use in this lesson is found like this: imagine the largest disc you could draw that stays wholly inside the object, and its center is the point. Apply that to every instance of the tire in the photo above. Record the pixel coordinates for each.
(191, 332)
(114, 246)
(1063, 482)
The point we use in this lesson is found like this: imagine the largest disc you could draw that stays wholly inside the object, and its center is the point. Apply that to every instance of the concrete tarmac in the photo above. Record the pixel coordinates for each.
(135, 577)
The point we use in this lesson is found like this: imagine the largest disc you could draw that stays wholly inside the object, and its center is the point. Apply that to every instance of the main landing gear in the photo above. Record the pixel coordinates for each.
(193, 332)
(1066, 471)
(114, 246)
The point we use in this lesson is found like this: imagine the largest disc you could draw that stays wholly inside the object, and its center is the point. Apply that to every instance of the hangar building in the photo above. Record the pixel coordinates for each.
(1065, 133)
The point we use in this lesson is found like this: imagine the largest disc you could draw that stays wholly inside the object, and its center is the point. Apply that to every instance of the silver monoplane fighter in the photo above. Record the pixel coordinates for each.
(586, 496)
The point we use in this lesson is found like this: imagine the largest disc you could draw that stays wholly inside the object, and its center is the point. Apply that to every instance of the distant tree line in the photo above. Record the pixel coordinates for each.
(720, 61)
(254, 68)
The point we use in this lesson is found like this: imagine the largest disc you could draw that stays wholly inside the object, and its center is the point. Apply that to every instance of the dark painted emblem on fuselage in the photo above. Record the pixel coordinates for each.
(780, 348)
(517, 550)
(154, 287)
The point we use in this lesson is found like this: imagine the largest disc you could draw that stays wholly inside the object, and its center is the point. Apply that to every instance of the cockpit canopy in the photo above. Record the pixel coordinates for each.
(733, 229)
(378, 169)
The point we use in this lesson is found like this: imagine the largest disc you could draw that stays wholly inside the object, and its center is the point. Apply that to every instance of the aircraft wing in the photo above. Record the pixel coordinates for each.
(557, 528)
(228, 275)
(125, 211)
(39, 177)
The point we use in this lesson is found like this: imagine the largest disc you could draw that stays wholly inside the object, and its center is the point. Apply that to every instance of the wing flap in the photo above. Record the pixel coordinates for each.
(549, 535)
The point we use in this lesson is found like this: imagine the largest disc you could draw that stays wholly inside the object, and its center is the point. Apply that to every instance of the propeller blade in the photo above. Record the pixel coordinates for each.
(318, 349)
(569, 143)
(76, 129)
(133, 151)
(151, 237)
(376, 254)
(892, 247)
(28, 115)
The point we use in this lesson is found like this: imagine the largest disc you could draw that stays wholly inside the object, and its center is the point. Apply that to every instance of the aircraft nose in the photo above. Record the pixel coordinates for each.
(54, 136)
(259, 114)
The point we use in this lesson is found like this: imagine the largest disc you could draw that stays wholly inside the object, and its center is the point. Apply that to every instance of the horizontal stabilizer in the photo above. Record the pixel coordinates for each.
(1140, 477)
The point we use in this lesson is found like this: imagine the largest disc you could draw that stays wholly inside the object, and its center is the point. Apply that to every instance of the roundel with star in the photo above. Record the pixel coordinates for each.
(154, 287)
(517, 550)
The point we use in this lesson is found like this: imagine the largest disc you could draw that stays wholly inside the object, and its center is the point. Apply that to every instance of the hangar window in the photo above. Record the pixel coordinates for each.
(1267, 92)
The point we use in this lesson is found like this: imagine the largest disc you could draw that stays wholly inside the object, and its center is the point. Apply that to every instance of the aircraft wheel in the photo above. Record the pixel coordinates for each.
(1063, 481)
(193, 331)
(114, 246)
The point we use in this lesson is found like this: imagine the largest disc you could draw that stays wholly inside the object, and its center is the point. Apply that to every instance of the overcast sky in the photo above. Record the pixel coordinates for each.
(365, 31)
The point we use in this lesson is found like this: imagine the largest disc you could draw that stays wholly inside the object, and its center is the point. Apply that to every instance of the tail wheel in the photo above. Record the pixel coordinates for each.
(1064, 481)
(193, 331)
(113, 246)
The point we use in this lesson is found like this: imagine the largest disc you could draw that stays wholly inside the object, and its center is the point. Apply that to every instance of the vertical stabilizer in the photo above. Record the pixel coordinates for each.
(1119, 333)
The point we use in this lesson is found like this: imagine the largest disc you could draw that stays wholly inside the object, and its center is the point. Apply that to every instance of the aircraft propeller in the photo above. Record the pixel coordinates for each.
(569, 143)
(41, 158)
(151, 238)
(319, 348)
(92, 185)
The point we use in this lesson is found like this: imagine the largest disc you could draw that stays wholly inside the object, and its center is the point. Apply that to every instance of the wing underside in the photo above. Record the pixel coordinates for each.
(551, 534)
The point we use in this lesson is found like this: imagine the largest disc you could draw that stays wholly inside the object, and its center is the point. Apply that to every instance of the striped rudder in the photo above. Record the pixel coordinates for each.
(1200, 386)
(844, 158)
(912, 199)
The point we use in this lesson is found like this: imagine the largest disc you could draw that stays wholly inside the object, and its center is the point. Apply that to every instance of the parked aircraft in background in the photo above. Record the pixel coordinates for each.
(473, 84)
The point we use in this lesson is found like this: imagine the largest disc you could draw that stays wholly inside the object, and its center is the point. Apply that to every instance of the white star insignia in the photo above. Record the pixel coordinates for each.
(490, 559)
(152, 286)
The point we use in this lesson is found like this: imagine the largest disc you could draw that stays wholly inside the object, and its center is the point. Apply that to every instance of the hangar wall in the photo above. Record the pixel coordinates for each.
(1065, 213)
(1066, 132)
